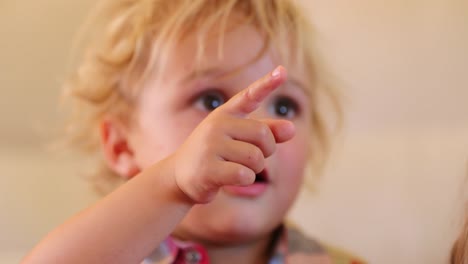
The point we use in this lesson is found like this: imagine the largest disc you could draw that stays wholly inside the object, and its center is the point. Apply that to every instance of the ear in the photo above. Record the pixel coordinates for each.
(117, 150)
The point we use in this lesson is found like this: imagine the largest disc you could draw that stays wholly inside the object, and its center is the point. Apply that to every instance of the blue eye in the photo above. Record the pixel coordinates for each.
(285, 107)
(210, 100)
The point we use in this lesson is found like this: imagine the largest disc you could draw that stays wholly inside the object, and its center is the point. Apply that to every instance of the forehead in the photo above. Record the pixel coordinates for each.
(226, 51)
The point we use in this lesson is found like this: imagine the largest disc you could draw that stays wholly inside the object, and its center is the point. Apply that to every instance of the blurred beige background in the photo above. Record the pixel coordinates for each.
(393, 190)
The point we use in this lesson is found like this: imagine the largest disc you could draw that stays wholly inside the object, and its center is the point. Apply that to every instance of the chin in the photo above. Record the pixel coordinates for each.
(227, 229)
(242, 231)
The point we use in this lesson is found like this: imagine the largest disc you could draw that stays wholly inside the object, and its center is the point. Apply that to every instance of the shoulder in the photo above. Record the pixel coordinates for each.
(300, 246)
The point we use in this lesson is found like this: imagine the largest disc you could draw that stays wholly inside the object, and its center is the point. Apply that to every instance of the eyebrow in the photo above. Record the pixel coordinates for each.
(299, 85)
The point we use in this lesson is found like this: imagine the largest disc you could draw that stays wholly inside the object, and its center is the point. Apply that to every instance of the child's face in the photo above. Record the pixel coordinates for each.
(172, 105)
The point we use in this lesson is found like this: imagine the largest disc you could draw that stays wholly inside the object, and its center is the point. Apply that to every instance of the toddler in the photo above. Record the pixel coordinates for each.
(203, 137)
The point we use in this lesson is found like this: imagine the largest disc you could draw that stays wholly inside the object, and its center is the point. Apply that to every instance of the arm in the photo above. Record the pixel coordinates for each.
(122, 227)
(126, 225)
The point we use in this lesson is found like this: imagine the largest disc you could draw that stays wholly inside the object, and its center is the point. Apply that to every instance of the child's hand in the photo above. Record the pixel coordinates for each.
(227, 147)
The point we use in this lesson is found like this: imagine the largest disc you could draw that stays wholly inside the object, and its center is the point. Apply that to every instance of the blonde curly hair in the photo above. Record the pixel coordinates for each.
(129, 39)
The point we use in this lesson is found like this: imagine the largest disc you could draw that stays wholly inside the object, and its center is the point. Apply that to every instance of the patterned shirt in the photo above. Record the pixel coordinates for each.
(289, 246)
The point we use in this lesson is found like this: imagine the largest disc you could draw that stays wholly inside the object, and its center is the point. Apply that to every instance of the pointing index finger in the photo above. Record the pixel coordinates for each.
(249, 99)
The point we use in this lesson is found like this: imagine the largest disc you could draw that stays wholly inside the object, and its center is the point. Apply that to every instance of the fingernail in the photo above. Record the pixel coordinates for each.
(276, 72)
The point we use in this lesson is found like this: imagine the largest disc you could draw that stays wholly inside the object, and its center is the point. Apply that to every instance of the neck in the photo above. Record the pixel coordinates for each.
(252, 252)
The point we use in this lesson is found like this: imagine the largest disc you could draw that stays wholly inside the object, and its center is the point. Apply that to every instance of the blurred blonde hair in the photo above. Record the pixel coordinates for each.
(129, 39)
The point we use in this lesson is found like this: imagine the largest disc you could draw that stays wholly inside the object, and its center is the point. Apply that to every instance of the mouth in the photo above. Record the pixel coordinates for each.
(256, 189)
(262, 177)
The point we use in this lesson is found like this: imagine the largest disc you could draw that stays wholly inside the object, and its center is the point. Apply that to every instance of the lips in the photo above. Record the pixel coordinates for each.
(256, 189)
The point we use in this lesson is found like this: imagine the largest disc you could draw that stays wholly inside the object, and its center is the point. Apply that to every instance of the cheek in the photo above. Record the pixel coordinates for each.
(294, 153)
(158, 140)
(292, 159)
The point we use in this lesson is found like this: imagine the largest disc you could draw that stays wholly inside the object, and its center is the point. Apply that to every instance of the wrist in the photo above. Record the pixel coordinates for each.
(163, 180)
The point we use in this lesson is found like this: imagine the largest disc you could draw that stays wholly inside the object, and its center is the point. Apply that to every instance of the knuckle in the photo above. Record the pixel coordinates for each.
(263, 131)
(256, 159)
(265, 139)
(256, 155)
(244, 175)
(269, 149)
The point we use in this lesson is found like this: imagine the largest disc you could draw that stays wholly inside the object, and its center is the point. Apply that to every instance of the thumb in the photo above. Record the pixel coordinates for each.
(283, 130)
